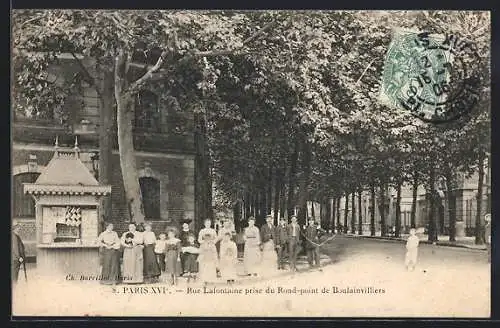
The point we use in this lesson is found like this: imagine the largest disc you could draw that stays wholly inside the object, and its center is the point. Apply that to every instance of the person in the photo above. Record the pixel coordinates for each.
(172, 255)
(411, 250)
(133, 258)
(281, 242)
(487, 234)
(228, 258)
(293, 242)
(110, 246)
(190, 251)
(160, 251)
(226, 226)
(152, 270)
(312, 234)
(268, 237)
(208, 259)
(185, 232)
(18, 252)
(251, 252)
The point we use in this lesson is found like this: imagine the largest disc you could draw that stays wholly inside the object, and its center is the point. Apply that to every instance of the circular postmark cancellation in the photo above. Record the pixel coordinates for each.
(431, 76)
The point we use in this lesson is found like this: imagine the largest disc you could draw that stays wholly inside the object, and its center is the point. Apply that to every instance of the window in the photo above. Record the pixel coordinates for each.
(150, 190)
(24, 205)
(147, 114)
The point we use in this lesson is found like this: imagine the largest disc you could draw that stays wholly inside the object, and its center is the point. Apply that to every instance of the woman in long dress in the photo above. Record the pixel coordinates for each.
(110, 246)
(133, 260)
(207, 260)
(269, 255)
(172, 256)
(228, 258)
(151, 266)
(251, 253)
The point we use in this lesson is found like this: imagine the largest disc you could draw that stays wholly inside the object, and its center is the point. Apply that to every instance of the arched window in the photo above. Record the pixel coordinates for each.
(150, 190)
(147, 112)
(24, 205)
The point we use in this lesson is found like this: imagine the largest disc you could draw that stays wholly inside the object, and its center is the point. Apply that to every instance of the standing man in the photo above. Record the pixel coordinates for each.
(293, 242)
(312, 234)
(267, 233)
(18, 255)
(281, 242)
(487, 234)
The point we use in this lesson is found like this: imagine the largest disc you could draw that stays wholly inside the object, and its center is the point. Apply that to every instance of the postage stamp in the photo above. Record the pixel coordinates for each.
(429, 75)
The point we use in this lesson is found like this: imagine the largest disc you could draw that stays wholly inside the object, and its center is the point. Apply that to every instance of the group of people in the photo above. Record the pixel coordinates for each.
(211, 255)
(266, 248)
(145, 257)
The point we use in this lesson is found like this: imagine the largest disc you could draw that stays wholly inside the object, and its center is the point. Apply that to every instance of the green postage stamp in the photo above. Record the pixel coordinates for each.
(429, 76)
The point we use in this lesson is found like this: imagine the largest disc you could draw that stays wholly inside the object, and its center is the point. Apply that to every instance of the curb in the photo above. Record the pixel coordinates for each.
(400, 240)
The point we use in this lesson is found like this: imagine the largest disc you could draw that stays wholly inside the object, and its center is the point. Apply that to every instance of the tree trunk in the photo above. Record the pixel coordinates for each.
(203, 179)
(360, 214)
(106, 139)
(338, 215)
(332, 205)
(291, 180)
(372, 213)
(247, 205)
(398, 210)
(353, 214)
(313, 214)
(452, 206)
(269, 196)
(432, 231)
(277, 193)
(479, 218)
(413, 218)
(304, 182)
(383, 227)
(126, 146)
(346, 209)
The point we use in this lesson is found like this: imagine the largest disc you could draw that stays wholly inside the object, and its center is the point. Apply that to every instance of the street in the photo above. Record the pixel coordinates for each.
(367, 278)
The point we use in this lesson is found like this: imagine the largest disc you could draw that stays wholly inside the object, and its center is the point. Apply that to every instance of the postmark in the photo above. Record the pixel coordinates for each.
(431, 76)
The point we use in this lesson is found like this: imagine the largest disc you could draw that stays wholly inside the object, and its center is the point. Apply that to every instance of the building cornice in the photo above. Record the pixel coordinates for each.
(39, 189)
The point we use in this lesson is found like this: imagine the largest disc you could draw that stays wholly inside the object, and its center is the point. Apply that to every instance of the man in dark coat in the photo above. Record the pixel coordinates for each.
(293, 242)
(312, 234)
(18, 255)
(267, 232)
(281, 242)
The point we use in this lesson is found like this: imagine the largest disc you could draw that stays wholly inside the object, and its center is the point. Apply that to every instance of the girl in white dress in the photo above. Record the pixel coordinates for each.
(228, 258)
(207, 260)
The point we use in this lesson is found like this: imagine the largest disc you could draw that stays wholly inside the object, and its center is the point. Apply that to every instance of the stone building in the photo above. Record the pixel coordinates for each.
(166, 158)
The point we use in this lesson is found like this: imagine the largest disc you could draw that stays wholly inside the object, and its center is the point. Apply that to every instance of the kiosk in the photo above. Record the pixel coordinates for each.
(67, 200)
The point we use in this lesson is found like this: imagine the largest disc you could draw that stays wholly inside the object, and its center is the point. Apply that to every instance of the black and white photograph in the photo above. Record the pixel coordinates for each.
(251, 163)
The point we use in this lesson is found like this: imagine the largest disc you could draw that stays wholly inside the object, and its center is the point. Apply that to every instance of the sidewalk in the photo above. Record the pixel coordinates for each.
(462, 242)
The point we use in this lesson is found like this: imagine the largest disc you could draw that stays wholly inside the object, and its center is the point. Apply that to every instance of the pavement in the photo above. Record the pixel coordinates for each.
(360, 277)
(463, 242)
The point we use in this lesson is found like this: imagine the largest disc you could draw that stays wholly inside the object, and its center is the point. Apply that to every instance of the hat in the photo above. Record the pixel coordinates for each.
(251, 218)
(15, 224)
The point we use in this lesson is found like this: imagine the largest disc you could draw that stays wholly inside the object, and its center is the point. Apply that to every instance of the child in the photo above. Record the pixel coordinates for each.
(172, 253)
(190, 252)
(208, 259)
(228, 258)
(160, 251)
(411, 250)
